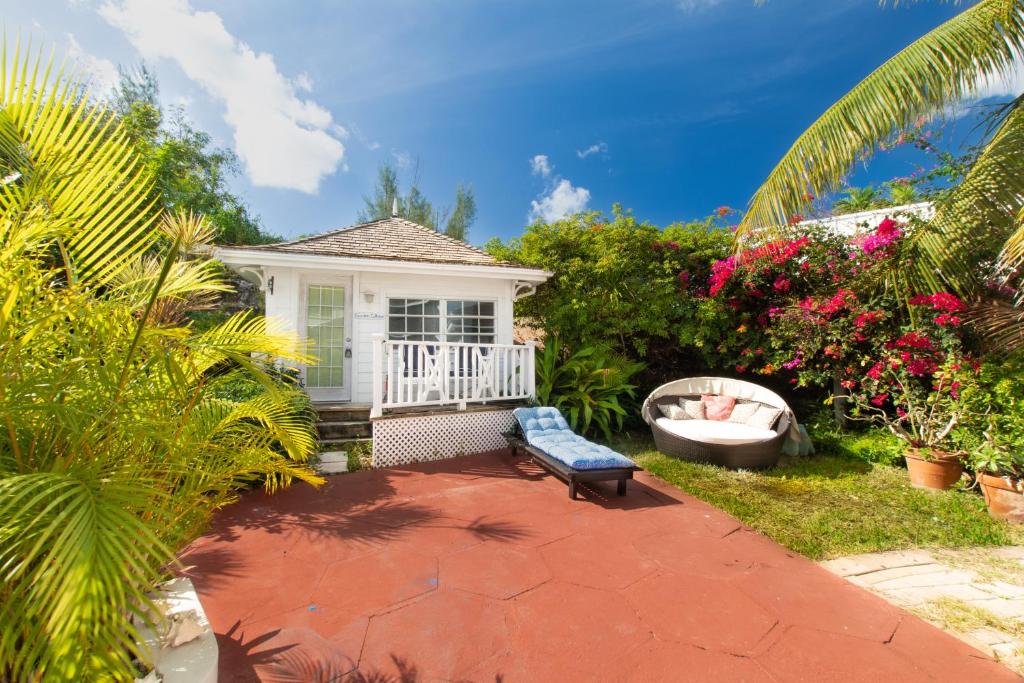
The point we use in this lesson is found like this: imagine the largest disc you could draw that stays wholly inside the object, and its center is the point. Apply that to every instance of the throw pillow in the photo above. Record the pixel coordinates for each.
(765, 417)
(717, 407)
(742, 412)
(673, 412)
(694, 408)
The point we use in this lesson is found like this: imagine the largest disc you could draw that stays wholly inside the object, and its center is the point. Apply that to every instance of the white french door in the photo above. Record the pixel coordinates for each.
(328, 323)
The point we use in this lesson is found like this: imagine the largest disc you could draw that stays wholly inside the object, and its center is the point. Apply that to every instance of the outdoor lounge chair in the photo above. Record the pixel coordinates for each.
(729, 444)
(545, 435)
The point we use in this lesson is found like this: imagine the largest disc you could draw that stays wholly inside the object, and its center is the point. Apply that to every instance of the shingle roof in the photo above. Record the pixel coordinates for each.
(393, 239)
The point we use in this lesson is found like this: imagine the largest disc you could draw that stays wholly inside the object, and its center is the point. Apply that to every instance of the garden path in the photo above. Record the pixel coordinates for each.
(977, 594)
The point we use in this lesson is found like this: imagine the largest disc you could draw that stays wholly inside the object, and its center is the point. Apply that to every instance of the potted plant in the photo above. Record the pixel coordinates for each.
(994, 435)
(1000, 475)
(914, 387)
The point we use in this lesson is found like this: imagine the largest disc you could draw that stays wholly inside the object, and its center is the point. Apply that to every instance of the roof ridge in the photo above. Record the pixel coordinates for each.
(335, 231)
(461, 243)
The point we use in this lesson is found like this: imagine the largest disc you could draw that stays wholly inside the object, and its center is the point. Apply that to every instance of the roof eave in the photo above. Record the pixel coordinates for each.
(235, 256)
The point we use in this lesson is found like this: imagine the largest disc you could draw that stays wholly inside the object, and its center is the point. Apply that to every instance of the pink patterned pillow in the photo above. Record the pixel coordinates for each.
(717, 407)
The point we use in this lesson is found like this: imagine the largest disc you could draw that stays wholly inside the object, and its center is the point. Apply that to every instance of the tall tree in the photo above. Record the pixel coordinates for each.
(416, 207)
(463, 214)
(189, 172)
(858, 199)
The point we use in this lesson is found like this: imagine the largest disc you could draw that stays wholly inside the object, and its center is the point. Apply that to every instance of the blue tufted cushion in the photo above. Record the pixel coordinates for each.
(547, 430)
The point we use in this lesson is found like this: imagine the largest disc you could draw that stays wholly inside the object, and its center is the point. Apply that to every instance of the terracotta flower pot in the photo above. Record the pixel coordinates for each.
(933, 470)
(1003, 496)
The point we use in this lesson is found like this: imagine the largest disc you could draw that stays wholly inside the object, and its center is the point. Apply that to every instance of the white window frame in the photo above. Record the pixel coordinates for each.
(443, 318)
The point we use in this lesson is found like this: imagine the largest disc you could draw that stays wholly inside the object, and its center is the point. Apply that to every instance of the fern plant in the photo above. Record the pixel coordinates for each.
(116, 443)
(588, 385)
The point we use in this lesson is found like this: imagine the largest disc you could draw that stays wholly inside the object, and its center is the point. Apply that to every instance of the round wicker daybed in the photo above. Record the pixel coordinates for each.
(721, 443)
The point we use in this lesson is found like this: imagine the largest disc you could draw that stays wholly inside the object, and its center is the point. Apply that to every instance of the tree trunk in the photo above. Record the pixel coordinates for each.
(839, 401)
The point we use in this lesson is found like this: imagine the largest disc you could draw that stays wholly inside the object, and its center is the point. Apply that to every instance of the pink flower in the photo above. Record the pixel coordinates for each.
(914, 340)
(782, 284)
(721, 271)
(887, 232)
(868, 318)
(947, 320)
(791, 364)
(875, 372)
(940, 301)
(879, 400)
(723, 211)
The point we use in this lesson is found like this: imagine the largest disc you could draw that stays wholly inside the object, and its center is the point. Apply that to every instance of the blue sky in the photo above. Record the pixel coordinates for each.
(669, 107)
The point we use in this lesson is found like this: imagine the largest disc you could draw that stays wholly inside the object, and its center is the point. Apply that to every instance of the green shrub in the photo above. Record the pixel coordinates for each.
(992, 432)
(869, 445)
(589, 385)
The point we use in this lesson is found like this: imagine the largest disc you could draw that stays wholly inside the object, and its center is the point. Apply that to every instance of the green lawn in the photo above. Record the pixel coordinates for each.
(831, 505)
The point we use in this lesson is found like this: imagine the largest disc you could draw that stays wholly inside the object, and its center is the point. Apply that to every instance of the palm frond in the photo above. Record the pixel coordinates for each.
(73, 159)
(939, 68)
(979, 213)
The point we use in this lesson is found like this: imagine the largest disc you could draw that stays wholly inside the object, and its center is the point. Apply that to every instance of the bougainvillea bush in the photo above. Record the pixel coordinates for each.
(800, 307)
(916, 382)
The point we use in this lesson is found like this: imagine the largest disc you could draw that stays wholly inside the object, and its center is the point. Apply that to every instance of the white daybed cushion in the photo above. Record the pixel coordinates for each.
(716, 431)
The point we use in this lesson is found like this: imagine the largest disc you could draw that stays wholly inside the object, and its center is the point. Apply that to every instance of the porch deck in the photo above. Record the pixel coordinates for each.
(480, 568)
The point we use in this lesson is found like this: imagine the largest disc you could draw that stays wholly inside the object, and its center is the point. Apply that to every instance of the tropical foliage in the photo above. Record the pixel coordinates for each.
(946, 65)
(116, 441)
(623, 283)
(591, 385)
(992, 432)
(188, 172)
(454, 221)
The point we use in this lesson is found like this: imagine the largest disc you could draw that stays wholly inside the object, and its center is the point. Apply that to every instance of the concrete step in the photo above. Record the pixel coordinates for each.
(338, 444)
(344, 429)
(332, 462)
(342, 412)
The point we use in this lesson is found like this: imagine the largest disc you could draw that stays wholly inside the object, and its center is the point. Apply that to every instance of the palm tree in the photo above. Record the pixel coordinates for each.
(902, 193)
(119, 433)
(858, 199)
(941, 68)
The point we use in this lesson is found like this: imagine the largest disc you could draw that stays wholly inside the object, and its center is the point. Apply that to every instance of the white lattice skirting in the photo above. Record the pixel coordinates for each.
(402, 440)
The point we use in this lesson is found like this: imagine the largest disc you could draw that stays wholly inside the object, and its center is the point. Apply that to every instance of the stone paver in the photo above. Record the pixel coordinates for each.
(914, 579)
(480, 568)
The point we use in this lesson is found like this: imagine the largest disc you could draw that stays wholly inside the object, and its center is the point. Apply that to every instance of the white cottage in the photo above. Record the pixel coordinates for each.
(400, 316)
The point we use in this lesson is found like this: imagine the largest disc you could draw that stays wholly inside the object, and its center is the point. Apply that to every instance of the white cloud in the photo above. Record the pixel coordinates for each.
(696, 5)
(1011, 85)
(100, 73)
(304, 83)
(561, 200)
(402, 159)
(541, 165)
(283, 140)
(596, 148)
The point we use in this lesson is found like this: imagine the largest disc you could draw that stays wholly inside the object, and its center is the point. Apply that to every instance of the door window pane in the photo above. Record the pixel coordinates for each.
(325, 327)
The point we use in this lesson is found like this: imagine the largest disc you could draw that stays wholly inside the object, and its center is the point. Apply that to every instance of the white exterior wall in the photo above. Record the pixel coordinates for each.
(287, 303)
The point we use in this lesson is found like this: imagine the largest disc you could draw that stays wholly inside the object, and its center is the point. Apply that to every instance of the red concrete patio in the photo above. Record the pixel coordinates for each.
(480, 568)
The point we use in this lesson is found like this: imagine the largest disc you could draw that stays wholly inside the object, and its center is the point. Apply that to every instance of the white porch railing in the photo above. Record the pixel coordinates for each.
(413, 373)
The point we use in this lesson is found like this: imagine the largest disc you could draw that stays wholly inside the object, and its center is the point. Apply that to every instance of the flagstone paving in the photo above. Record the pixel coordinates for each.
(988, 579)
(481, 568)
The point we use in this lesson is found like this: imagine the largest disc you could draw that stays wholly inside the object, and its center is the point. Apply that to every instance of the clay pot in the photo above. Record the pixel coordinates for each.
(1003, 496)
(933, 470)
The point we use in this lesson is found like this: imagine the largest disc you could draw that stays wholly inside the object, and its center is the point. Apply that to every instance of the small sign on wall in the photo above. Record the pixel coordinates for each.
(368, 315)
